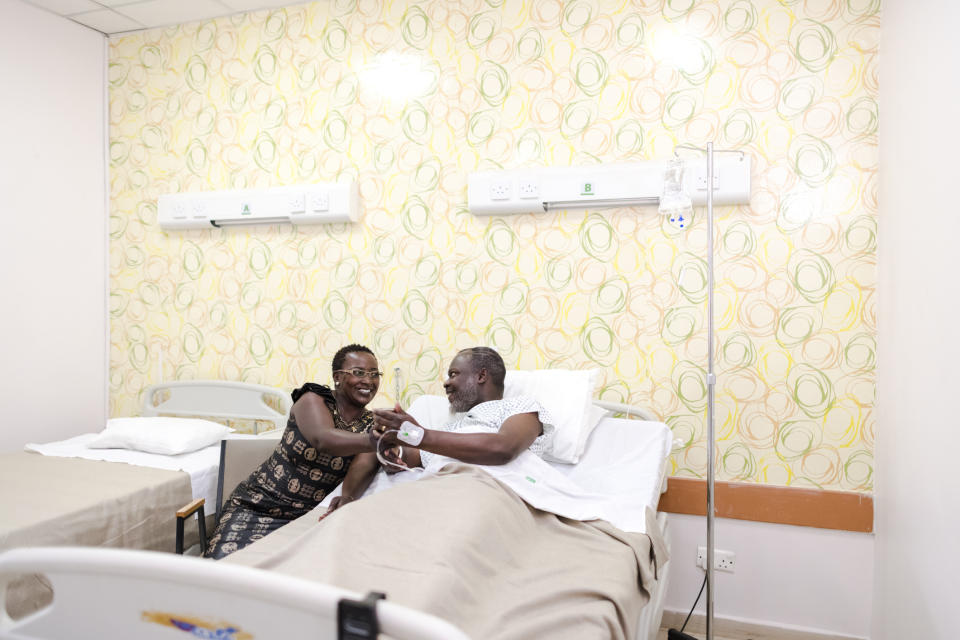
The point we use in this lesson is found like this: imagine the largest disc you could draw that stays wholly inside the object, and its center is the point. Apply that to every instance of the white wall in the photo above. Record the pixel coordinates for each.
(52, 238)
(918, 441)
(785, 576)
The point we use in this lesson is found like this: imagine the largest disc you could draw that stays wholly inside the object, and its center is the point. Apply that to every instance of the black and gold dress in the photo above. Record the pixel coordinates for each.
(292, 481)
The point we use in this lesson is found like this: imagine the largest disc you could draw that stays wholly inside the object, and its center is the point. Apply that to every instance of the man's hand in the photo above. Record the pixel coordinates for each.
(390, 420)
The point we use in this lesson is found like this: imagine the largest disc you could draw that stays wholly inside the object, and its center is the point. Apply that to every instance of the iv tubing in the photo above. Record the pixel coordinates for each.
(383, 460)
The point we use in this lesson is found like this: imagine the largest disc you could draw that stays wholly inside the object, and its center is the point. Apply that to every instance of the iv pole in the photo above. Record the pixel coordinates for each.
(711, 379)
(711, 383)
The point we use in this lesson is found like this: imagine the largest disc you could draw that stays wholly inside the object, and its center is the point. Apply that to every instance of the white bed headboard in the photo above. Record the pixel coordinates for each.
(217, 399)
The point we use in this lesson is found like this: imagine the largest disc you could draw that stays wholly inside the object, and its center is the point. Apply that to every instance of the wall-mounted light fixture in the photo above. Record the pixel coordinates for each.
(298, 204)
(535, 190)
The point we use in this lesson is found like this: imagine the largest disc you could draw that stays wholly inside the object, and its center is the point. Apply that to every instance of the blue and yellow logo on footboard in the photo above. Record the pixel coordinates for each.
(197, 627)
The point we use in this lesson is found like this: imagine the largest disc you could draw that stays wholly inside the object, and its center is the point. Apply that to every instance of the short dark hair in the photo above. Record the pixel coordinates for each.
(341, 355)
(489, 359)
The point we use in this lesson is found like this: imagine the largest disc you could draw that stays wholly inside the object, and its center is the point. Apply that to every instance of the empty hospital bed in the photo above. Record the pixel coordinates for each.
(73, 495)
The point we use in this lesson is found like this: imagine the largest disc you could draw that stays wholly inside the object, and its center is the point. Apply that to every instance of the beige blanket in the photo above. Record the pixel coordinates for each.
(464, 547)
(47, 501)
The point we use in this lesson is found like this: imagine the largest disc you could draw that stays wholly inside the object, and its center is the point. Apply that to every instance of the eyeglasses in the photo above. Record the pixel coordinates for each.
(362, 373)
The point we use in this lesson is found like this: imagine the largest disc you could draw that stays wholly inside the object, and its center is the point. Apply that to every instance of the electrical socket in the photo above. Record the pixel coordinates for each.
(702, 181)
(725, 561)
(528, 189)
(722, 560)
(320, 201)
(296, 203)
(500, 190)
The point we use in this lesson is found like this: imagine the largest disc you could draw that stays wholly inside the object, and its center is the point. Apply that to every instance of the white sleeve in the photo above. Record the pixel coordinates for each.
(526, 404)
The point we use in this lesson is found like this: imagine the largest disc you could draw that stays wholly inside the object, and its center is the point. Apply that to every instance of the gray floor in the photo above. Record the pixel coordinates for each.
(700, 635)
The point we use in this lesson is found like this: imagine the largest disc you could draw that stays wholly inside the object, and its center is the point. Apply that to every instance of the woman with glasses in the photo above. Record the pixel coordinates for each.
(328, 434)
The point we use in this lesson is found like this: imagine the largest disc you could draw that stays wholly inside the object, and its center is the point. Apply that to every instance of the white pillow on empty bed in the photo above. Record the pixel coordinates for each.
(167, 436)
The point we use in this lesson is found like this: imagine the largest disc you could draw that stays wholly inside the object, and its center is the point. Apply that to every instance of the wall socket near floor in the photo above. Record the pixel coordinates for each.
(722, 560)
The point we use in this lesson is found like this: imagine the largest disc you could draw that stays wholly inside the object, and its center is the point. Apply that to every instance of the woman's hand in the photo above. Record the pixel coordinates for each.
(373, 436)
(336, 503)
(394, 455)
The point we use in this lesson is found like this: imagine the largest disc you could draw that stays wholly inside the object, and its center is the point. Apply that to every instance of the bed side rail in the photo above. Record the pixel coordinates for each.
(627, 409)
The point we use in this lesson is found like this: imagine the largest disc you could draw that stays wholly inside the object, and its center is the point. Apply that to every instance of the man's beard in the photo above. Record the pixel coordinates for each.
(466, 397)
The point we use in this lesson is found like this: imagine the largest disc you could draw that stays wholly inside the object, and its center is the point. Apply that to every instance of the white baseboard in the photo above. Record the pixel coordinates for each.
(738, 628)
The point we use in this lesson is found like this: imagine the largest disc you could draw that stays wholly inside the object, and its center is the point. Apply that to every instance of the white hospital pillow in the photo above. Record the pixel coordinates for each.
(432, 412)
(168, 436)
(568, 395)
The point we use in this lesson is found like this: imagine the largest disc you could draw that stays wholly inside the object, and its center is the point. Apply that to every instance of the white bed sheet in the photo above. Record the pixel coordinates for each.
(618, 477)
(624, 457)
(201, 465)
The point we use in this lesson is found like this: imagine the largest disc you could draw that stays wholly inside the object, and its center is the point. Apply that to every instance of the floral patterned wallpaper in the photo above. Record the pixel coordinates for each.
(409, 97)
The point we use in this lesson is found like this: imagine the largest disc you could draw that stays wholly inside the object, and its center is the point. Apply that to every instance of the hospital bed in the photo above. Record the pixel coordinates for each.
(462, 547)
(64, 493)
(589, 563)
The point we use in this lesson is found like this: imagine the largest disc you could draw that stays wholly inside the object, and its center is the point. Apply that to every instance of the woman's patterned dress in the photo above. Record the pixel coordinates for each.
(292, 481)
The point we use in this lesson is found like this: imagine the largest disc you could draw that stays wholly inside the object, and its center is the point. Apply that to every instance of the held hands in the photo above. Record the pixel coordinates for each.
(385, 420)
(386, 423)
(394, 455)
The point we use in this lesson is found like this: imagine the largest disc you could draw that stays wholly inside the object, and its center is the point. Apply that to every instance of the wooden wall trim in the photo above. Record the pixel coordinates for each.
(823, 509)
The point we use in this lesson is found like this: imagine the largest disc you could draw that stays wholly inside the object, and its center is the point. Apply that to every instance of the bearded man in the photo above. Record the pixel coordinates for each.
(484, 428)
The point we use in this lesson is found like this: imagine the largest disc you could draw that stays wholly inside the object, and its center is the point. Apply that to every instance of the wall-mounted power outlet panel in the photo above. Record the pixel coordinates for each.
(534, 190)
(528, 188)
(501, 190)
(722, 560)
(317, 203)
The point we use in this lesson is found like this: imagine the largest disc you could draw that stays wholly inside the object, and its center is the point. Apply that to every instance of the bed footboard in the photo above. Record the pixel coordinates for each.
(142, 594)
